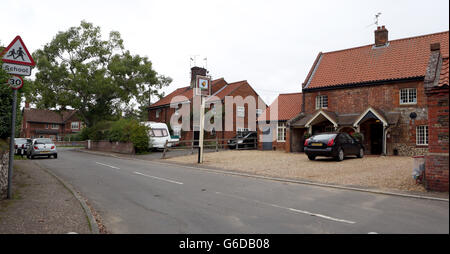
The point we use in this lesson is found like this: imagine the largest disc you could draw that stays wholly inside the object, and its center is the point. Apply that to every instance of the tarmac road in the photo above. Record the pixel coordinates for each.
(135, 196)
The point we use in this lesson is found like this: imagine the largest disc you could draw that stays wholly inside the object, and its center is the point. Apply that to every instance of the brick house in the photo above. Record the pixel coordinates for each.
(437, 92)
(44, 123)
(162, 110)
(272, 128)
(376, 90)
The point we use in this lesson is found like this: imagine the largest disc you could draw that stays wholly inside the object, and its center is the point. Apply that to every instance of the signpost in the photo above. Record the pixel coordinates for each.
(17, 61)
(203, 88)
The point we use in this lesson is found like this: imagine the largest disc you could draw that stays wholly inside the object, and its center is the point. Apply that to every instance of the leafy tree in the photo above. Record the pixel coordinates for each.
(6, 98)
(95, 76)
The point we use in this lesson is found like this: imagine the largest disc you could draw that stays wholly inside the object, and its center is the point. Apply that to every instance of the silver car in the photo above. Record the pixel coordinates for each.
(42, 147)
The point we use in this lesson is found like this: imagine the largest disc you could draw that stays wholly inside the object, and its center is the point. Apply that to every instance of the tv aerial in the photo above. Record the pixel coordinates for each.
(377, 16)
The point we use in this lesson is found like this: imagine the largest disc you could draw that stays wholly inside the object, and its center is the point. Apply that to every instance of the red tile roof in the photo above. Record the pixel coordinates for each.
(229, 89)
(289, 106)
(403, 58)
(187, 92)
(47, 116)
(443, 78)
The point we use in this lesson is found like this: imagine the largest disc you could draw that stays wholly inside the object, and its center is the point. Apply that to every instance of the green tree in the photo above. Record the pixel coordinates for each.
(6, 98)
(95, 76)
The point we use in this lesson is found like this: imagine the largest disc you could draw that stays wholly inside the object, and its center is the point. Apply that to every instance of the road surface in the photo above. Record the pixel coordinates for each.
(135, 196)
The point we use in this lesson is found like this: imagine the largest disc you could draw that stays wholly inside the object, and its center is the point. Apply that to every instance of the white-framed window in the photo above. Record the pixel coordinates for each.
(157, 113)
(281, 132)
(408, 96)
(46, 126)
(321, 101)
(259, 112)
(242, 130)
(240, 111)
(75, 125)
(177, 111)
(422, 135)
(55, 126)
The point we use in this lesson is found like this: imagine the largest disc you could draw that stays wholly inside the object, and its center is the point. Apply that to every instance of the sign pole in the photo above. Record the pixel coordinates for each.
(11, 144)
(202, 127)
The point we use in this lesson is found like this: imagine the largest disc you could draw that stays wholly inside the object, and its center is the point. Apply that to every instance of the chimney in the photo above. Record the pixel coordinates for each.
(381, 36)
(197, 71)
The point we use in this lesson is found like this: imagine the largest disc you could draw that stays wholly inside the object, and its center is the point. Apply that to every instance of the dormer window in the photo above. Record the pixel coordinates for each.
(321, 101)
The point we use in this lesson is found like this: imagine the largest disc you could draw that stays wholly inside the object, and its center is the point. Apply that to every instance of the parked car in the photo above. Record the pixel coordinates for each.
(246, 140)
(158, 134)
(20, 146)
(42, 147)
(337, 145)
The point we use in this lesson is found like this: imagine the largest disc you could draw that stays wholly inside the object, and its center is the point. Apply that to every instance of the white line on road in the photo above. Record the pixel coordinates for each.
(107, 165)
(159, 178)
(290, 209)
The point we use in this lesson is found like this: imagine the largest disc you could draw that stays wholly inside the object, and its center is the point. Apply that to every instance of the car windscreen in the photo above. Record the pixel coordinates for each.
(323, 137)
(159, 133)
(43, 141)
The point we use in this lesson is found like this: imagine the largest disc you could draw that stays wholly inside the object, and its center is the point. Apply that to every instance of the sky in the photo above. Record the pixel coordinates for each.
(271, 44)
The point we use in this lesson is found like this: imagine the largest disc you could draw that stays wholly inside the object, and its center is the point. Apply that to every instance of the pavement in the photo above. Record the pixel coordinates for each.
(41, 204)
(138, 196)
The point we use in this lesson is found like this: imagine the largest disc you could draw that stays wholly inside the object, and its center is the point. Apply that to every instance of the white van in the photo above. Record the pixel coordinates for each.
(158, 134)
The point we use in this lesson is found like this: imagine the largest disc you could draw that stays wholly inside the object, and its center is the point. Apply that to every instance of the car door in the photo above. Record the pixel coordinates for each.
(351, 143)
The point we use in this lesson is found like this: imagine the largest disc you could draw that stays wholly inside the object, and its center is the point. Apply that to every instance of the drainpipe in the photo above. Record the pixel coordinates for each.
(384, 139)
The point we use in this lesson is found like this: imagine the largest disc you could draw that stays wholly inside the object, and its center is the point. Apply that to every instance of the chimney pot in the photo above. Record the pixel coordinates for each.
(381, 36)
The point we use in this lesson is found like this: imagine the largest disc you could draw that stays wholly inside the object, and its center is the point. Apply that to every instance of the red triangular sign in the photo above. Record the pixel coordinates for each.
(17, 53)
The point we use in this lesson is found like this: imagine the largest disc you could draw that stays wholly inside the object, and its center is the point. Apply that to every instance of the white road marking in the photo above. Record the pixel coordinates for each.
(159, 178)
(290, 209)
(107, 165)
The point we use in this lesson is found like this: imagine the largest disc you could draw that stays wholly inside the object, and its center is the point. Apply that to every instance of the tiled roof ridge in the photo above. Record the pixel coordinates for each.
(389, 41)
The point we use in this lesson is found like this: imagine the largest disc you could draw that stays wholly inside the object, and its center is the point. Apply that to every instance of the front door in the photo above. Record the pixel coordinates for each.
(376, 138)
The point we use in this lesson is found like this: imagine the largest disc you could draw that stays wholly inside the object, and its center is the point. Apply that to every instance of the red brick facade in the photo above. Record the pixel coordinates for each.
(37, 123)
(384, 98)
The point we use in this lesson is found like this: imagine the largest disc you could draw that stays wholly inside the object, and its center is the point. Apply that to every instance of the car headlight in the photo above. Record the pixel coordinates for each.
(240, 141)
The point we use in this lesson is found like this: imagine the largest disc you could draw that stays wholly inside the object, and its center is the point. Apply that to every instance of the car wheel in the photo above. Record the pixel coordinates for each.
(32, 157)
(311, 157)
(340, 156)
(361, 153)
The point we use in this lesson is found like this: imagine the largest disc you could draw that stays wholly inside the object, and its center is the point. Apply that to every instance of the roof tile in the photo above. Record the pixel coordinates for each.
(403, 58)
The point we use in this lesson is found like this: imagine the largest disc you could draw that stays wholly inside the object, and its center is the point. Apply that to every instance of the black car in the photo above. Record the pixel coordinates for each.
(246, 140)
(337, 145)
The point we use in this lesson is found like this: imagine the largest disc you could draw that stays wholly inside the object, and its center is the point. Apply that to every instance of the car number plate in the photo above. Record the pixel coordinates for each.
(45, 152)
(316, 144)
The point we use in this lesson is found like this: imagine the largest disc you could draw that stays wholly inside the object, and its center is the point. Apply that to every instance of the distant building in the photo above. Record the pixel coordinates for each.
(273, 132)
(53, 124)
(161, 111)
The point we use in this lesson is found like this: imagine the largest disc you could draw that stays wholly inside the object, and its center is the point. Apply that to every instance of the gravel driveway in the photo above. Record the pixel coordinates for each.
(381, 172)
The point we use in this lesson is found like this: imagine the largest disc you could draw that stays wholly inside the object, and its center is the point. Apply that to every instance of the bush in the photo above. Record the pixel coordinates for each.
(129, 130)
(123, 130)
(73, 137)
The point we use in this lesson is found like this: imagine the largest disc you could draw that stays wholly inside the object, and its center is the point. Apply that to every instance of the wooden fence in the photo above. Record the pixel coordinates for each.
(217, 143)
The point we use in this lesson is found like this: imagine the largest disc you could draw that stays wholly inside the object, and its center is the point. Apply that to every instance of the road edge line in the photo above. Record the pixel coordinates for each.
(275, 178)
(91, 220)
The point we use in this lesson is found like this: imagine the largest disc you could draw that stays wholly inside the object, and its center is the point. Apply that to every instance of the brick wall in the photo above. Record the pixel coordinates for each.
(116, 147)
(386, 98)
(437, 160)
(4, 162)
